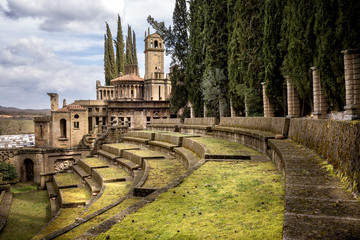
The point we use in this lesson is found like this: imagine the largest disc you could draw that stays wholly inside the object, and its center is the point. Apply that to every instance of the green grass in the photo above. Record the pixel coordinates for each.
(147, 153)
(112, 172)
(222, 147)
(66, 179)
(16, 126)
(23, 187)
(96, 162)
(162, 172)
(221, 200)
(97, 220)
(79, 194)
(112, 192)
(29, 213)
(122, 146)
(66, 216)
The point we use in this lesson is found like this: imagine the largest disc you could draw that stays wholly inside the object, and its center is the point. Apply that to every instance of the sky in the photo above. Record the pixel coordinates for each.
(58, 46)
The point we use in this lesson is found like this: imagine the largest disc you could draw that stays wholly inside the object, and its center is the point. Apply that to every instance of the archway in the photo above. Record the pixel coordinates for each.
(63, 128)
(27, 171)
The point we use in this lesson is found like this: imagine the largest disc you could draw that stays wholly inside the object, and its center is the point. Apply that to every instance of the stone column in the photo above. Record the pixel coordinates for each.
(320, 103)
(246, 106)
(192, 113)
(352, 83)
(293, 101)
(232, 111)
(205, 110)
(268, 108)
(221, 107)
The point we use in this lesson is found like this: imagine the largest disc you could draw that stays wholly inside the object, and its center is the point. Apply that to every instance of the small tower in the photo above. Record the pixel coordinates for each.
(54, 99)
(156, 86)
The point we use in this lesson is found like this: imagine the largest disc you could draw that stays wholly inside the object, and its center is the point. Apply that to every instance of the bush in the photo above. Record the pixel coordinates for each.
(8, 171)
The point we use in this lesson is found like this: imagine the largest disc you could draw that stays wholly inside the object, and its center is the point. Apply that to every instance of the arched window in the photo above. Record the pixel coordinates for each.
(159, 93)
(63, 128)
(28, 171)
(41, 131)
(156, 44)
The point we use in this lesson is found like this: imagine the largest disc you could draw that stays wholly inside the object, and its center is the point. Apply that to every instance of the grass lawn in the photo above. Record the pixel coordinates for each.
(66, 179)
(78, 194)
(162, 172)
(29, 213)
(23, 187)
(66, 216)
(112, 173)
(221, 200)
(96, 220)
(147, 153)
(95, 162)
(112, 192)
(222, 147)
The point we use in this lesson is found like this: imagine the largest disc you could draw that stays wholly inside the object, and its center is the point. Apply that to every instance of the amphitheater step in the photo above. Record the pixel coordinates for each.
(80, 172)
(317, 206)
(54, 206)
(93, 185)
(107, 155)
(128, 165)
(51, 189)
(188, 157)
(5, 208)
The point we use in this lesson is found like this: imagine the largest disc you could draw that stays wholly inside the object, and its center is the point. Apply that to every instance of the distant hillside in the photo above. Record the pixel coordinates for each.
(23, 113)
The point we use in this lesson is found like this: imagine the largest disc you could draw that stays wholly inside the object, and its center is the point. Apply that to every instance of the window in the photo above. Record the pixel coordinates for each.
(63, 128)
(159, 93)
(76, 116)
(156, 44)
(76, 124)
(41, 131)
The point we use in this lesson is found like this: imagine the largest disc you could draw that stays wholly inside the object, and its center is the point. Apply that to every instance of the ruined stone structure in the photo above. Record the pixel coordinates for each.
(268, 108)
(352, 83)
(293, 101)
(320, 103)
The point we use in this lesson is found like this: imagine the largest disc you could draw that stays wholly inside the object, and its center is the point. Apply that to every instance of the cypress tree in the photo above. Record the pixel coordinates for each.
(196, 54)
(245, 63)
(297, 29)
(111, 56)
(106, 62)
(273, 56)
(129, 48)
(134, 57)
(120, 48)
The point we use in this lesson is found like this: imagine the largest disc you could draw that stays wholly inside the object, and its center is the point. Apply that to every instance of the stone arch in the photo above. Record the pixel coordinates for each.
(63, 128)
(156, 44)
(27, 170)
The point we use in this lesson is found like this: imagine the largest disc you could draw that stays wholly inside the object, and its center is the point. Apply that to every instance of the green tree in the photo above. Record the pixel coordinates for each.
(273, 56)
(134, 57)
(8, 171)
(129, 48)
(299, 40)
(120, 48)
(109, 58)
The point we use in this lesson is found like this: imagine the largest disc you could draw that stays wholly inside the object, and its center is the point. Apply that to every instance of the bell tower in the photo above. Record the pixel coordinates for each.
(154, 56)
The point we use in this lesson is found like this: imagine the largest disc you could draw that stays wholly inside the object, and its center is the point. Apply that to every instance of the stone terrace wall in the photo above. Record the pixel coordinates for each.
(278, 125)
(174, 121)
(337, 141)
(209, 121)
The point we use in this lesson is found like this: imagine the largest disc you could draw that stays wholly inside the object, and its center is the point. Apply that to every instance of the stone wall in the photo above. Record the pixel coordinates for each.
(210, 121)
(336, 141)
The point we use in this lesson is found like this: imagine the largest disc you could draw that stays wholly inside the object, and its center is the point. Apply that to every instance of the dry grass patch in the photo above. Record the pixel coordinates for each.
(95, 162)
(66, 179)
(112, 173)
(147, 153)
(122, 146)
(74, 195)
(162, 172)
(222, 147)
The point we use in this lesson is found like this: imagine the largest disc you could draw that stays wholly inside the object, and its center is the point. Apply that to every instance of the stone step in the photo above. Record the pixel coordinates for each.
(80, 172)
(188, 157)
(93, 185)
(107, 155)
(5, 208)
(128, 165)
(51, 189)
(54, 206)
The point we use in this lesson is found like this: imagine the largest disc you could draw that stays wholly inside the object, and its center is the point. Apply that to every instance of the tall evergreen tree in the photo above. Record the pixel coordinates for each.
(134, 57)
(129, 48)
(298, 32)
(120, 48)
(110, 58)
(106, 62)
(273, 56)
(245, 62)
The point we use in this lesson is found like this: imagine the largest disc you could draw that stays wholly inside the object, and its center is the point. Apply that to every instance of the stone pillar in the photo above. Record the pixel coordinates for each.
(192, 113)
(352, 83)
(232, 111)
(205, 110)
(221, 107)
(293, 101)
(246, 106)
(320, 103)
(268, 108)
(54, 100)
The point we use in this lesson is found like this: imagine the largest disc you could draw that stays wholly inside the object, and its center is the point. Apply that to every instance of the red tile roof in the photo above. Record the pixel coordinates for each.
(128, 78)
(71, 107)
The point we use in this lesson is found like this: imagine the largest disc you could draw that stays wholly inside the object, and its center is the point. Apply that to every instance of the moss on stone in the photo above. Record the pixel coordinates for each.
(112, 173)
(74, 195)
(66, 179)
(96, 162)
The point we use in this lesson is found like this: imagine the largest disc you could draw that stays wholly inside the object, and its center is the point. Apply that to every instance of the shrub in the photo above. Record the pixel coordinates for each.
(8, 171)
